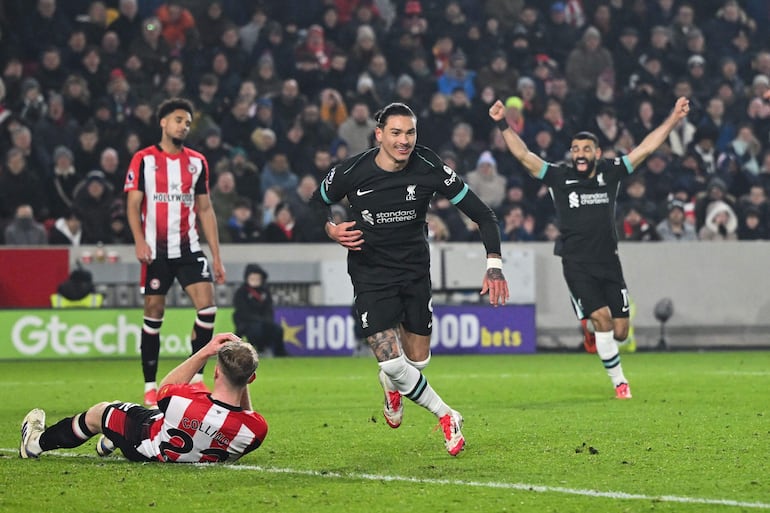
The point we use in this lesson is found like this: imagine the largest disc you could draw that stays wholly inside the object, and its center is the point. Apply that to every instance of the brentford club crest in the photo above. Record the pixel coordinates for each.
(191, 168)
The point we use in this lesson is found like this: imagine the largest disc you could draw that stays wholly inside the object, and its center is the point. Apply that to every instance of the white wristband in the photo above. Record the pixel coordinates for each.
(494, 263)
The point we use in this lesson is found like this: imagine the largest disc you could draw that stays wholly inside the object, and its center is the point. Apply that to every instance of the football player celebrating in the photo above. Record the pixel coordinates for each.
(389, 189)
(584, 195)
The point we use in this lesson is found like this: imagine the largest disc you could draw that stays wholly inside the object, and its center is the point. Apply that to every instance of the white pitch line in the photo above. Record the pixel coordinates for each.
(458, 482)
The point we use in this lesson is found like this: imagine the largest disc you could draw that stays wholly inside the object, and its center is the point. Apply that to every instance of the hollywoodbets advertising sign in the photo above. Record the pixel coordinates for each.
(308, 331)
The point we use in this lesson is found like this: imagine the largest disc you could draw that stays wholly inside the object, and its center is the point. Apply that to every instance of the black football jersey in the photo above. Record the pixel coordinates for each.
(389, 208)
(585, 208)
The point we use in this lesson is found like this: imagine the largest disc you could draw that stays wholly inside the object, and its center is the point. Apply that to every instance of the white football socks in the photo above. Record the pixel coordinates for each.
(607, 349)
(413, 385)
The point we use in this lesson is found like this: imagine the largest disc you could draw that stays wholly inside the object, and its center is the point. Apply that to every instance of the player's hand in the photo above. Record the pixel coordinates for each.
(219, 272)
(494, 283)
(681, 108)
(497, 111)
(345, 236)
(217, 341)
(143, 252)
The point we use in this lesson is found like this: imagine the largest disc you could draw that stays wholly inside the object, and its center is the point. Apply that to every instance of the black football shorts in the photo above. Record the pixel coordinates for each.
(158, 276)
(380, 307)
(593, 285)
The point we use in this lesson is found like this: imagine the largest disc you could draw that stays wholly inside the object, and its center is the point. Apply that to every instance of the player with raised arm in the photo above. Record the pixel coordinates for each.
(190, 425)
(389, 189)
(168, 194)
(584, 195)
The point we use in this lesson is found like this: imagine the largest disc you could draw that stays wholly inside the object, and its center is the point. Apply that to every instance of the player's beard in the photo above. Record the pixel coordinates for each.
(590, 164)
(176, 141)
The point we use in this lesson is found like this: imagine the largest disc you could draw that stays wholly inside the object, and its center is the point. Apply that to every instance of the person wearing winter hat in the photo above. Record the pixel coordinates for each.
(721, 223)
(486, 182)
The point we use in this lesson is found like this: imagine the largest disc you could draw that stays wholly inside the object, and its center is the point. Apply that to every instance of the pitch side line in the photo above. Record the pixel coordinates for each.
(457, 482)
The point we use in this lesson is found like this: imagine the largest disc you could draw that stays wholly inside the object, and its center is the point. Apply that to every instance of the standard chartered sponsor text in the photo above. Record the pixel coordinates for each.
(396, 216)
(594, 199)
(33, 335)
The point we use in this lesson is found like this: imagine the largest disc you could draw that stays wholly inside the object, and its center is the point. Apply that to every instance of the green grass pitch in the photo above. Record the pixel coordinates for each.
(544, 434)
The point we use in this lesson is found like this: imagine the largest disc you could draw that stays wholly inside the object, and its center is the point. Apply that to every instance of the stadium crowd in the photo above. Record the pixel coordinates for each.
(283, 89)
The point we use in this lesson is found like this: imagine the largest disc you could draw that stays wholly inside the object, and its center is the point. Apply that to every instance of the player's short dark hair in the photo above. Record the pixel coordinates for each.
(392, 109)
(238, 361)
(585, 135)
(172, 104)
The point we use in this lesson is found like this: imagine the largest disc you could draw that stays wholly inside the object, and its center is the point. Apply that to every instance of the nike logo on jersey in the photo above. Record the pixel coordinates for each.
(571, 182)
(359, 192)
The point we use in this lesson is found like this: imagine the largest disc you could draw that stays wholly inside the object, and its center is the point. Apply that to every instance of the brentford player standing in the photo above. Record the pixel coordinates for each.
(168, 192)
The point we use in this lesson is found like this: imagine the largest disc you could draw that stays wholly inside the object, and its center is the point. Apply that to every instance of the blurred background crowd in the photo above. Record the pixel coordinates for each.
(284, 89)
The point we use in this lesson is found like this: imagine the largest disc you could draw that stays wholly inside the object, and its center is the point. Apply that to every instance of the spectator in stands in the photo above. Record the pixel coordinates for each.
(486, 182)
(178, 26)
(333, 110)
(273, 42)
(288, 105)
(265, 78)
(77, 98)
(675, 227)
(20, 186)
(309, 227)
(242, 225)
(223, 198)
(128, 24)
(751, 225)
(253, 313)
(716, 190)
(658, 179)
(51, 72)
(92, 200)
(21, 138)
(46, 26)
(62, 182)
(358, 129)
(151, 49)
(67, 230)
(461, 144)
(282, 227)
(516, 225)
(31, 106)
(246, 173)
(249, 33)
(56, 128)
(212, 23)
(721, 223)
(634, 226)
(109, 164)
(277, 172)
(586, 62)
(23, 230)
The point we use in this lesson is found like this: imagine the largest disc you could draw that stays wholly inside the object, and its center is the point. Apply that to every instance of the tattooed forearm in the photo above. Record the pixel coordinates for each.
(385, 344)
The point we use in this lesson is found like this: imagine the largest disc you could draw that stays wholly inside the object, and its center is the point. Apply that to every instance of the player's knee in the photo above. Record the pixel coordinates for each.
(420, 364)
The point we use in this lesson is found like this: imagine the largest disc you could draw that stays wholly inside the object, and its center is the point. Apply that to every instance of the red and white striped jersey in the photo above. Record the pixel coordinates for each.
(170, 184)
(198, 429)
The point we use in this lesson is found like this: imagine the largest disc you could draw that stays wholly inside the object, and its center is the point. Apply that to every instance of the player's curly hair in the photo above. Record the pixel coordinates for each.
(237, 361)
(168, 106)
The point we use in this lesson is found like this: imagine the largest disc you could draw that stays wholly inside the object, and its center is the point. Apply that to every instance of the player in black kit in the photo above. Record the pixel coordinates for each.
(389, 189)
(584, 195)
